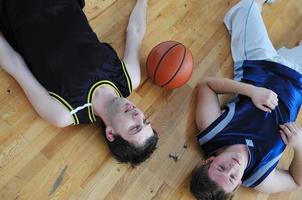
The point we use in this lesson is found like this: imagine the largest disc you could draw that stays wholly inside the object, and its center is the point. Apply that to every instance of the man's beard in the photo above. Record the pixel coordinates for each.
(115, 107)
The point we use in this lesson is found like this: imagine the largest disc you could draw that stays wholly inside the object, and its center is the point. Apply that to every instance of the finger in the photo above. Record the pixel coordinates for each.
(283, 136)
(270, 105)
(298, 126)
(291, 127)
(265, 109)
(275, 94)
(286, 130)
(295, 128)
(275, 102)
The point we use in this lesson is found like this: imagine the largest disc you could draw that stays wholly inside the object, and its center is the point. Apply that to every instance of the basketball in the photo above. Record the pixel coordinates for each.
(170, 64)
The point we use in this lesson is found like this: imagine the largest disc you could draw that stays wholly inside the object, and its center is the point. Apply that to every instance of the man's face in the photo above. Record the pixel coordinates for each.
(129, 122)
(226, 170)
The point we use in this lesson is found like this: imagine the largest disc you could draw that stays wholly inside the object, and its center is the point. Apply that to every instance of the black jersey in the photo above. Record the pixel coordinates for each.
(63, 52)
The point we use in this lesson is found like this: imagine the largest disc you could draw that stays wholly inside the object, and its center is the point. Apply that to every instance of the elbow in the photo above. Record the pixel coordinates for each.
(136, 32)
(201, 85)
(298, 184)
(295, 174)
(59, 122)
(212, 83)
(204, 84)
(132, 30)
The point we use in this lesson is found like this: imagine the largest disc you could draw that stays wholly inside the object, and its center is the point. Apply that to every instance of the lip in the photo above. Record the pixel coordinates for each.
(128, 107)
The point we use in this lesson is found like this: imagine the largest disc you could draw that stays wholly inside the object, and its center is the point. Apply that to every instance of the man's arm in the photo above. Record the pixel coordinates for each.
(45, 106)
(208, 106)
(135, 33)
(286, 180)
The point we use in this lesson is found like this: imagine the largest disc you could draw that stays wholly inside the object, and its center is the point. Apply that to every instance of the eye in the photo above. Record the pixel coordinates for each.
(136, 128)
(146, 122)
(232, 179)
(221, 168)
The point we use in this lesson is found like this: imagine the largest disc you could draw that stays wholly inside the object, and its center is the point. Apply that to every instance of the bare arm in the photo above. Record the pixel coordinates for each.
(208, 106)
(286, 180)
(277, 181)
(135, 33)
(45, 106)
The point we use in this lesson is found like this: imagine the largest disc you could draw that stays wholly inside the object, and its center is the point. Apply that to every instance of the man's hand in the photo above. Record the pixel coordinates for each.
(291, 134)
(264, 99)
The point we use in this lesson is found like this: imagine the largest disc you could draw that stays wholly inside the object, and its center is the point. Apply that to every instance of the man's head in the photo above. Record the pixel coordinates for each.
(220, 175)
(203, 188)
(129, 135)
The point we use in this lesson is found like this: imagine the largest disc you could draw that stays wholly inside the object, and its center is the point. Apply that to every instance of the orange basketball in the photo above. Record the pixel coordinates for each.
(170, 64)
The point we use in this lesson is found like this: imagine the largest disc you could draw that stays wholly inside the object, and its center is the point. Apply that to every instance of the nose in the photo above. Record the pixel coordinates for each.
(228, 168)
(231, 168)
(231, 165)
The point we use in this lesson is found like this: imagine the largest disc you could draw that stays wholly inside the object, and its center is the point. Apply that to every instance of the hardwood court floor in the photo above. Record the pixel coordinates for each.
(40, 162)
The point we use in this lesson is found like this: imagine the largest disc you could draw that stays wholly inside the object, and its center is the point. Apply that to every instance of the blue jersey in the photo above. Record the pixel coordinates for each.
(243, 123)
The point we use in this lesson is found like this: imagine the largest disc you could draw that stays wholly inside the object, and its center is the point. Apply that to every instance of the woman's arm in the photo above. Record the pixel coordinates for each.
(135, 33)
(49, 109)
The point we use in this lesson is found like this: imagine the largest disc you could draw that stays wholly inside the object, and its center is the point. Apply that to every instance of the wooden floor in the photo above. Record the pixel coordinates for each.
(40, 162)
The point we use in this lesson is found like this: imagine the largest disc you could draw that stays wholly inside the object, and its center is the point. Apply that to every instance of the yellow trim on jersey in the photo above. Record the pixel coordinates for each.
(91, 93)
(66, 105)
(127, 76)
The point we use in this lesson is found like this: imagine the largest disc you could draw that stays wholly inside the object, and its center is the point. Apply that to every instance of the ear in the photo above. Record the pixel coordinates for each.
(208, 160)
(109, 133)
